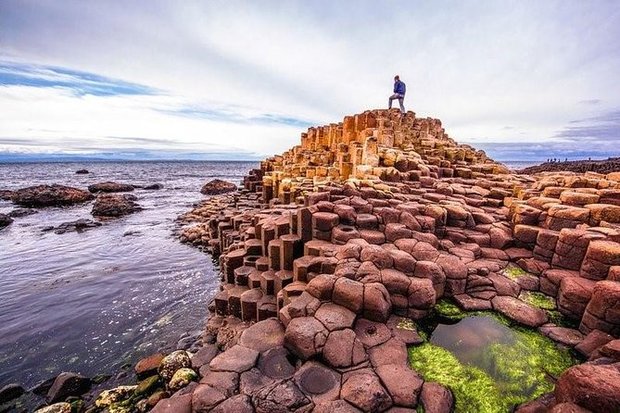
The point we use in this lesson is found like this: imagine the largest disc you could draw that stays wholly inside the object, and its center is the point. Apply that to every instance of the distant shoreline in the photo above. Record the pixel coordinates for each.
(603, 166)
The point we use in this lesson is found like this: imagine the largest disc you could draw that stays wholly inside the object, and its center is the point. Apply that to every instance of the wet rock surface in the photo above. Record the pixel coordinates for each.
(110, 187)
(77, 225)
(49, 195)
(5, 220)
(217, 187)
(111, 205)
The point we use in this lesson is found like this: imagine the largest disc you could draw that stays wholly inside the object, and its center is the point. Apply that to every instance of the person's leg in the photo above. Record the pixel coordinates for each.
(400, 101)
(394, 96)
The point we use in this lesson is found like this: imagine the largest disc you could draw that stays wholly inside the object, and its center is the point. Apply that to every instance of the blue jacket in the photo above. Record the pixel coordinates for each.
(399, 87)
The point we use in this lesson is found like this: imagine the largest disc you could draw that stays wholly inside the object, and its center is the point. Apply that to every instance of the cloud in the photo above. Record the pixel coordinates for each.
(254, 75)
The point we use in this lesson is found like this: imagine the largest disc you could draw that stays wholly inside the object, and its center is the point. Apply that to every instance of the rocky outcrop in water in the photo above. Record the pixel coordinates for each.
(5, 220)
(50, 195)
(6, 195)
(79, 225)
(217, 187)
(82, 172)
(111, 205)
(108, 187)
(602, 166)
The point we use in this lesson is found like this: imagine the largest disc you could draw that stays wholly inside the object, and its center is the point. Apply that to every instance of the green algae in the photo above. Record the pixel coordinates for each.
(514, 272)
(537, 299)
(473, 389)
(504, 375)
(447, 309)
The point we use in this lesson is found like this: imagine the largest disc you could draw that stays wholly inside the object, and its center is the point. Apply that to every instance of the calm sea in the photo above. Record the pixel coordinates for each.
(90, 302)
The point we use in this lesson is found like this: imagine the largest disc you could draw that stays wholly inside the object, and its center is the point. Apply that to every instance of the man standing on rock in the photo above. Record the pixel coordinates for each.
(399, 93)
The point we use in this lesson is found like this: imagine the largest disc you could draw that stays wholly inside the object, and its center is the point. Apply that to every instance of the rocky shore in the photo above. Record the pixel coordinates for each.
(336, 254)
(604, 166)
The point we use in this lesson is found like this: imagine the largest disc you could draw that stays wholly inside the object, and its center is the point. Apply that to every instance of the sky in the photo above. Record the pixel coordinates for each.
(523, 80)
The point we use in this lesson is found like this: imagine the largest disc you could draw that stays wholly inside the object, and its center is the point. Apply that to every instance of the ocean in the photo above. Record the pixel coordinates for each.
(94, 301)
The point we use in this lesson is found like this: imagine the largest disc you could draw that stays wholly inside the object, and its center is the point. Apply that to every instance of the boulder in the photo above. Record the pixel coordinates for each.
(173, 362)
(5, 220)
(66, 385)
(217, 187)
(82, 172)
(10, 392)
(110, 187)
(50, 195)
(594, 387)
(109, 205)
(148, 366)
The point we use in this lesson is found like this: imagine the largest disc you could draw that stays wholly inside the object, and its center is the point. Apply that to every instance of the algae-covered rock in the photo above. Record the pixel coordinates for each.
(147, 385)
(108, 398)
(56, 408)
(173, 362)
(182, 377)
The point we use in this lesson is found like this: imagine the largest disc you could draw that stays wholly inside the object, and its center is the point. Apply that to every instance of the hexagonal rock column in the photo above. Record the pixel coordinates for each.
(603, 310)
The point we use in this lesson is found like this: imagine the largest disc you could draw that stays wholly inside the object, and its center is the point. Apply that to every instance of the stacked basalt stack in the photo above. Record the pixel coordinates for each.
(333, 247)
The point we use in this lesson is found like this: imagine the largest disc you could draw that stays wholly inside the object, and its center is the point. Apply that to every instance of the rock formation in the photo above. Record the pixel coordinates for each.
(112, 205)
(331, 251)
(49, 195)
(110, 187)
(369, 222)
(217, 187)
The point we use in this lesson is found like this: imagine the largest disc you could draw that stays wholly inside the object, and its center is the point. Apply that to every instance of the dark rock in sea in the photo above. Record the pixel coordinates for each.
(217, 186)
(110, 187)
(82, 171)
(66, 385)
(22, 212)
(10, 392)
(43, 387)
(108, 205)
(50, 195)
(5, 220)
(154, 187)
(6, 195)
(79, 226)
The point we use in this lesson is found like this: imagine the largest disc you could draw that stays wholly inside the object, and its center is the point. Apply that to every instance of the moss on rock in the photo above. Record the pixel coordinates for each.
(537, 299)
(506, 375)
(473, 389)
(514, 272)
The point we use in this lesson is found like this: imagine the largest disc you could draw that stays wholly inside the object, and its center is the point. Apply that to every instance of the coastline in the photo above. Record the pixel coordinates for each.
(326, 271)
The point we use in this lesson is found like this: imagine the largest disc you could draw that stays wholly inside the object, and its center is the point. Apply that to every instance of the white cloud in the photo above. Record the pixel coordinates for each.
(478, 65)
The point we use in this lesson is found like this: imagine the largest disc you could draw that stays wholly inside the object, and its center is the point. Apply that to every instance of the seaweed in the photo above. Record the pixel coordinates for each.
(505, 375)
(537, 299)
(474, 390)
(514, 272)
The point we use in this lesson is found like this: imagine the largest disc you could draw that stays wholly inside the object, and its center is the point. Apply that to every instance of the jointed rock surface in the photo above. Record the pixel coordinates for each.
(332, 248)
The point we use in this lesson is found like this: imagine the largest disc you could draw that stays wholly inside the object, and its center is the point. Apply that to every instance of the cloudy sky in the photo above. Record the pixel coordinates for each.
(520, 79)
